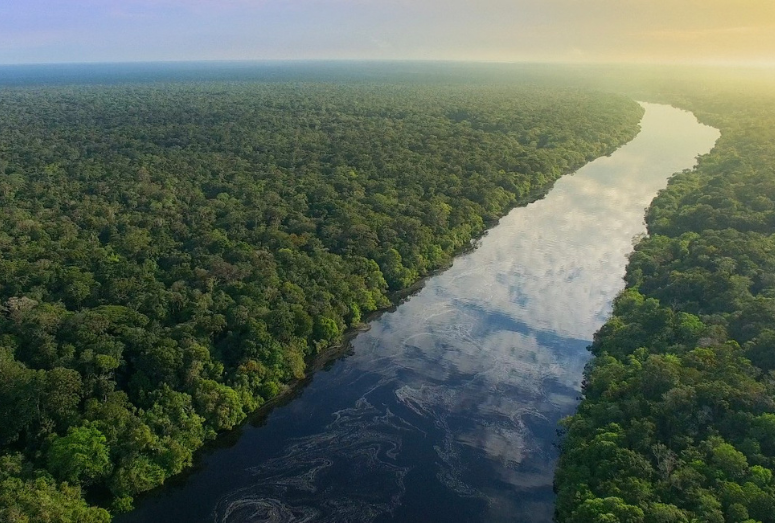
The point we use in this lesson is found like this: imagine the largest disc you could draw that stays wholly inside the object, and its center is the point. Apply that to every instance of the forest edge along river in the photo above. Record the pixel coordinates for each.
(446, 409)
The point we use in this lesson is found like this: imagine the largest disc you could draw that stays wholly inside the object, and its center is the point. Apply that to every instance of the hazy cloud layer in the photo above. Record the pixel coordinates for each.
(501, 30)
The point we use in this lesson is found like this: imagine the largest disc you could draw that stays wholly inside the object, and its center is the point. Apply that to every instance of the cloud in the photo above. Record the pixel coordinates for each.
(508, 30)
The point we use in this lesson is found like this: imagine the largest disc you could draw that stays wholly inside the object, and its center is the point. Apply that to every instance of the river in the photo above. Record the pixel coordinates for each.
(446, 410)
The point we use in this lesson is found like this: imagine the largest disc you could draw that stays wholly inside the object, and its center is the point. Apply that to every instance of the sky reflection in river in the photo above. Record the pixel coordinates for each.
(447, 409)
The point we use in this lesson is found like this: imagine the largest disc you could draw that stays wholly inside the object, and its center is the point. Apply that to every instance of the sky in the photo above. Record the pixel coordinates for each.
(683, 31)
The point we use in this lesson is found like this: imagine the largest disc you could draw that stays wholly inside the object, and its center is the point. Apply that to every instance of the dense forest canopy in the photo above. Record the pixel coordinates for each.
(171, 255)
(678, 418)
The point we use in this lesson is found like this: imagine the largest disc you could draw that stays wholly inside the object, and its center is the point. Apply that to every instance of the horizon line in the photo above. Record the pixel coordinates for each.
(247, 61)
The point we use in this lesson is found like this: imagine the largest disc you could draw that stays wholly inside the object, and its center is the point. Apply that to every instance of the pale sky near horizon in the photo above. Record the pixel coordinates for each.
(684, 31)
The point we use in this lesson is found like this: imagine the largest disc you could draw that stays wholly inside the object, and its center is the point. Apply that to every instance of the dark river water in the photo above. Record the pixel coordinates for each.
(446, 410)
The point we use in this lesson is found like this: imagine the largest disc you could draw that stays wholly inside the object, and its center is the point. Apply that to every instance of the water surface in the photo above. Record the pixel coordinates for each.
(447, 408)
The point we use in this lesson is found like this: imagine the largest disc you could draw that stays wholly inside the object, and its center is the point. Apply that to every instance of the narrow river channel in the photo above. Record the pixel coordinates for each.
(446, 410)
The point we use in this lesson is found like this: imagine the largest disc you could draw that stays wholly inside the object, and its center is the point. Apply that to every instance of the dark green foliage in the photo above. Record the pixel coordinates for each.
(678, 418)
(172, 255)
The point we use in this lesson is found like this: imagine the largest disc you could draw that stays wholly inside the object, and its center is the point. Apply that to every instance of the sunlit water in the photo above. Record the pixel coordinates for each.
(447, 409)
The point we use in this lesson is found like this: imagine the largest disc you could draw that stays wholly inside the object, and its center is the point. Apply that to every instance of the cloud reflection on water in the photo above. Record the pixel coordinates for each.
(494, 347)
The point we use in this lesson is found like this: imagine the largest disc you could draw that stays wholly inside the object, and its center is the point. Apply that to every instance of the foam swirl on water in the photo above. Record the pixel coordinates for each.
(345, 473)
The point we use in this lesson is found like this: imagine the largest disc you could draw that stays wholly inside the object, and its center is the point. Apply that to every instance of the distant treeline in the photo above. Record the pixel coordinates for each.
(677, 423)
(172, 255)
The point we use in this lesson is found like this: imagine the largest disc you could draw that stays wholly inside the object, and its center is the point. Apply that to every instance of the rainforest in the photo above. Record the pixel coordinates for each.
(180, 250)
(172, 254)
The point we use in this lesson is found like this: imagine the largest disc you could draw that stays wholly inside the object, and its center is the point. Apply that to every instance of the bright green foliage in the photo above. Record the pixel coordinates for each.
(172, 255)
(608, 510)
(28, 496)
(81, 455)
(678, 416)
(327, 329)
